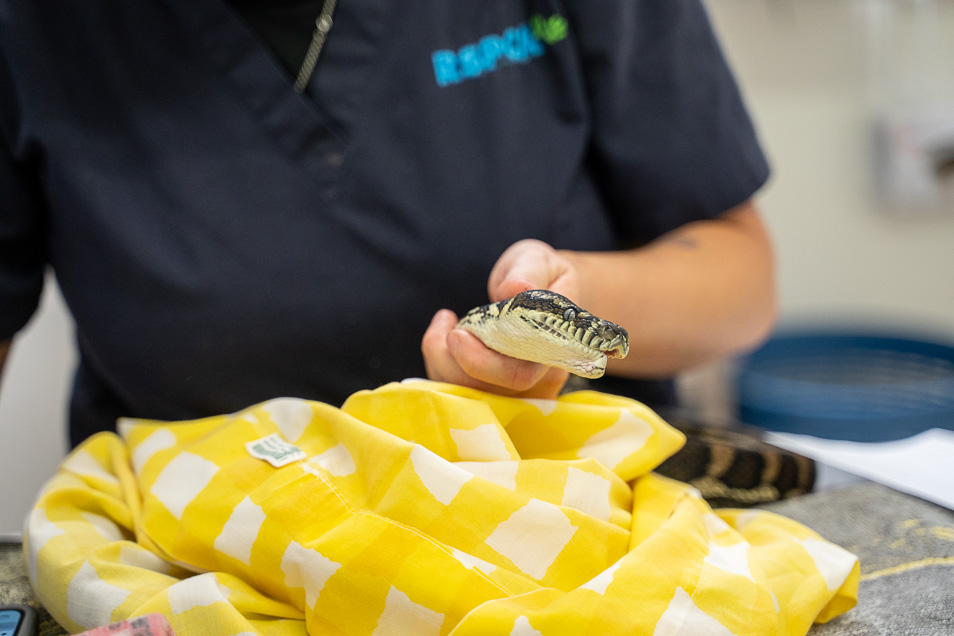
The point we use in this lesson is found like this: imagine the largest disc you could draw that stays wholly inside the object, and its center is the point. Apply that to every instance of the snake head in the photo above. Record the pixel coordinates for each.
(543, 326)
(564, 319)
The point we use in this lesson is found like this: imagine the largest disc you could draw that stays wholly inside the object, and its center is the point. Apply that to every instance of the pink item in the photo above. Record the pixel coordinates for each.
(149, 625)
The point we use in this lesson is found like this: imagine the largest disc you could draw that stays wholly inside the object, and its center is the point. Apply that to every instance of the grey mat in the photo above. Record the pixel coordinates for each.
(906, 547)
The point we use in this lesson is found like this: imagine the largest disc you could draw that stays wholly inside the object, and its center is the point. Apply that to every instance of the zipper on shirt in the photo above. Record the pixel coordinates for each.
(322, 26)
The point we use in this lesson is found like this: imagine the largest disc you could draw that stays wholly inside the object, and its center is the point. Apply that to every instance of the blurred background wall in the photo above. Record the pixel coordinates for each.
(840, 91)
(33, 403)
(854, 102)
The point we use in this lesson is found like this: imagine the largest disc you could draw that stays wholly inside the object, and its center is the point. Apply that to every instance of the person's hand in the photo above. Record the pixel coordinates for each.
(456, 356)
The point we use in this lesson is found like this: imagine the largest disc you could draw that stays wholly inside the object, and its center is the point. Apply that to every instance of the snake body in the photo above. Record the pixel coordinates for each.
(543, 326)
(730, 468)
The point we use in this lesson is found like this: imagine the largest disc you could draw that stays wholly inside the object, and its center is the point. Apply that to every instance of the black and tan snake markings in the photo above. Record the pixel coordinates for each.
(543, 326)
(729, 467)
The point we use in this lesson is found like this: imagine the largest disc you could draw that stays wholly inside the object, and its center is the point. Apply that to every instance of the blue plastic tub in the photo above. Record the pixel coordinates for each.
(867, 388)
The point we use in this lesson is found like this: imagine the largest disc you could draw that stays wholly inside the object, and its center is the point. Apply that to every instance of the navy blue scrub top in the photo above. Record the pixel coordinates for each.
(221, 239)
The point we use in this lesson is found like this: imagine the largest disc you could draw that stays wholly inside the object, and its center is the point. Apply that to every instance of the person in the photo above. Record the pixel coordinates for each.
(222, 238)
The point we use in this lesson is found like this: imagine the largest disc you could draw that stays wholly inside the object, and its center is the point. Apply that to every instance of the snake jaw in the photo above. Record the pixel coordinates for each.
(615, 339)
(545, 327)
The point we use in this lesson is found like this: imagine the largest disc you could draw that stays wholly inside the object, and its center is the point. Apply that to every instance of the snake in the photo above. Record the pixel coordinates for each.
(730, 466)
(543, 326)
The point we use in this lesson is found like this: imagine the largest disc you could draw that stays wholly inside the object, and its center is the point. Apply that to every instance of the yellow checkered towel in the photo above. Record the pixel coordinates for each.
(417, 509)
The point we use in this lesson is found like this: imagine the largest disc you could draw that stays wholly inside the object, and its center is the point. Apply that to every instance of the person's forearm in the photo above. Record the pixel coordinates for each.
(701, 292)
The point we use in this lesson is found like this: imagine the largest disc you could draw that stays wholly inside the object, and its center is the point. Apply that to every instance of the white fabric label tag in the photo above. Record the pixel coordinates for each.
(275, 450)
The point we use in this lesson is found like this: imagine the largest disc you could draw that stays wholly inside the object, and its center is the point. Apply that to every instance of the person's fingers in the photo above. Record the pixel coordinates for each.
(521, 267)
(487, 366)
(434, 345)
(456, 356)
(531, 264)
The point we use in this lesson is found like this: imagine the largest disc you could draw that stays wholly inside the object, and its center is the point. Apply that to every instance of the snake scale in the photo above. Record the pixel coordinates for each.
(729, 467)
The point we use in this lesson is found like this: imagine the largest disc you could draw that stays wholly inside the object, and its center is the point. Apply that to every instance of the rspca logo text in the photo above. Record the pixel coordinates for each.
(516, 45)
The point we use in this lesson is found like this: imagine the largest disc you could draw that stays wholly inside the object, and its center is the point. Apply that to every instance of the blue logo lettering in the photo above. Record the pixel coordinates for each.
(445, 67)
(516, 45)
(491, 47)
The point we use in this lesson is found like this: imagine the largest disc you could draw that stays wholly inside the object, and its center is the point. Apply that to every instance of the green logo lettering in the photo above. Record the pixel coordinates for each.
(549, 30)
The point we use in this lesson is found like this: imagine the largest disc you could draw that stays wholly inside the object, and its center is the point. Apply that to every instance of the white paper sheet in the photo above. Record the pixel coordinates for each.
(922, 465)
